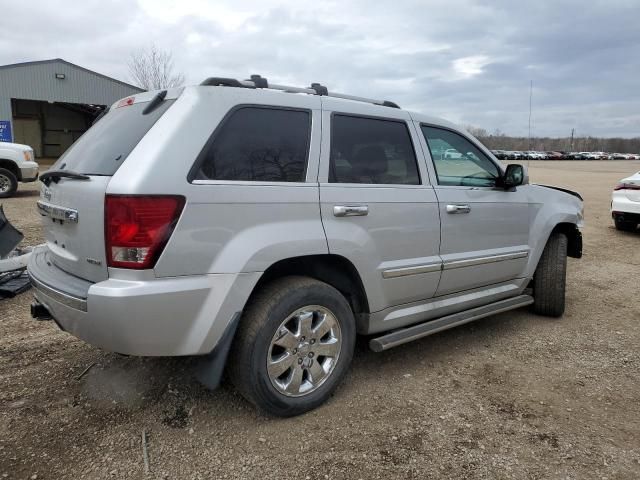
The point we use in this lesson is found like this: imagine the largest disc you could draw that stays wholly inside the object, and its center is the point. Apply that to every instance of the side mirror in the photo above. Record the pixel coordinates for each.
(514, 175)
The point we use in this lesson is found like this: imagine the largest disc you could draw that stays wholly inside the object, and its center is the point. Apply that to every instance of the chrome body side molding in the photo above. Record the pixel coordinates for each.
(434, 267)
(403, 271)
(482, 260)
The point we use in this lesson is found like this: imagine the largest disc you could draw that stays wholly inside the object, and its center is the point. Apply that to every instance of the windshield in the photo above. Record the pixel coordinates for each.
(105, 146)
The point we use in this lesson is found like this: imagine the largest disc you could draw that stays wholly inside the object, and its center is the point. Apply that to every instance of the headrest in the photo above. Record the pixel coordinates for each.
(370, 161)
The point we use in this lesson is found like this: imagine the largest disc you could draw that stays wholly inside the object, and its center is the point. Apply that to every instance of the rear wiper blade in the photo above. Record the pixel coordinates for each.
(155, 102)
(56, 175)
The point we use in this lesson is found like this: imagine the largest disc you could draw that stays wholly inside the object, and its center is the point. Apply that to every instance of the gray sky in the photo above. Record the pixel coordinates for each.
(459, 59)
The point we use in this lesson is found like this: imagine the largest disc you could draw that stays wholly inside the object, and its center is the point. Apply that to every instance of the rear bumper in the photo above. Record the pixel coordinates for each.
(154, 317)
(620, 203)
(626, 216)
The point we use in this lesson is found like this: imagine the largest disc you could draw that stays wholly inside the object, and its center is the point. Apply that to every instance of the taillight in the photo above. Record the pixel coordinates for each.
(627, 186)
(137, 227)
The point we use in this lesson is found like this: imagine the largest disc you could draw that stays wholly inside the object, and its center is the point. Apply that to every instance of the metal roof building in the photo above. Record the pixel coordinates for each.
(48, 104)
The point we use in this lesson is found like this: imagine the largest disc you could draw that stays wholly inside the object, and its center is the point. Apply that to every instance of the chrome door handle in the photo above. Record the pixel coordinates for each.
(350, 210)
(458, 208)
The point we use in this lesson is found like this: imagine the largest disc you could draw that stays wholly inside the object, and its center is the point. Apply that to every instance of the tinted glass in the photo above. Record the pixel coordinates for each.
(365, 150)
(259, 144)
(105, 146)
(458, 161)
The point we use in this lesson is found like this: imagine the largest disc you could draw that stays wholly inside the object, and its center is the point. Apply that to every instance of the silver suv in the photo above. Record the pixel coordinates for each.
(262, 227)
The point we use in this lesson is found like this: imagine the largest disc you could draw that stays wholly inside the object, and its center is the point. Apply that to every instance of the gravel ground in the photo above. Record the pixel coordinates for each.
(512, 396)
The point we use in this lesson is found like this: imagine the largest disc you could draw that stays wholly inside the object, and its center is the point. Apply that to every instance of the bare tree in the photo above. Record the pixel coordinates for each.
(152, 69)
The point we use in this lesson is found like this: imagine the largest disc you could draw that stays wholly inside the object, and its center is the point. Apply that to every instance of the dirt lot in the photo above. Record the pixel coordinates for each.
(513, 396)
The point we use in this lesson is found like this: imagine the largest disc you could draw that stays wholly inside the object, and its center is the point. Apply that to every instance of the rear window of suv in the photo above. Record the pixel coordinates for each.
(105, 146)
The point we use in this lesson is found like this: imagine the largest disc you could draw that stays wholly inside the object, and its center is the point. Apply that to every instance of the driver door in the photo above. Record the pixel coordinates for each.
(484, 229)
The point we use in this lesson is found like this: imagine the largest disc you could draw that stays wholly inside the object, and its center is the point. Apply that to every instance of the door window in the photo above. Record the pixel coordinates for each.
(259, 144)
(458, 161)
(367, 150)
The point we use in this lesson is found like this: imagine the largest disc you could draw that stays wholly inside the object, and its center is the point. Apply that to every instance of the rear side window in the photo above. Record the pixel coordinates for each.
(259, 144)
(373, 151)
(105, 146)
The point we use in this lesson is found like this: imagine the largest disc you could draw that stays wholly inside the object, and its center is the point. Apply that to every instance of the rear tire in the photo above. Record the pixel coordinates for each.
(623, 225)
(276, 361)
(8, 183)
(549, 279)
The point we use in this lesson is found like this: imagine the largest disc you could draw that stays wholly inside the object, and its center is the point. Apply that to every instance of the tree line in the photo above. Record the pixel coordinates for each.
(500, 141)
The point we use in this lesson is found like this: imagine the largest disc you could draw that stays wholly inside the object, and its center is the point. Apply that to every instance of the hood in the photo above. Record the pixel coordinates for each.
(565, 190)
(14, 146)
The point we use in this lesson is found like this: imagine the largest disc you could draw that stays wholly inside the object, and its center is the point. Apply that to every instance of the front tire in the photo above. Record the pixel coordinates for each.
(549, 279)
(293, 347)
(8, 183)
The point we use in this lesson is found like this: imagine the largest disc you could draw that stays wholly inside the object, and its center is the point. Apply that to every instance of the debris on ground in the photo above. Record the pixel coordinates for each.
(13, 260)
(145, 454)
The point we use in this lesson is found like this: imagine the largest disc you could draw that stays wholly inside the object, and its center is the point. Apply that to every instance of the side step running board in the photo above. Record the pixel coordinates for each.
(406, 335)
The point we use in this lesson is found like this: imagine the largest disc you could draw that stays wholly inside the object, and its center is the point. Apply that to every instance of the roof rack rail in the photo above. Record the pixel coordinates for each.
(257, 81)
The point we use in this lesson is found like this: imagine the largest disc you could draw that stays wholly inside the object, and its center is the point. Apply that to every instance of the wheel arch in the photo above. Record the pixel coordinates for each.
(11, 166)
(574, 237)
(332, 269)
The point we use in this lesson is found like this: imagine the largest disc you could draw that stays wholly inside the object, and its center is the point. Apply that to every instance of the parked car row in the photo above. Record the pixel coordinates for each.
(557, 155)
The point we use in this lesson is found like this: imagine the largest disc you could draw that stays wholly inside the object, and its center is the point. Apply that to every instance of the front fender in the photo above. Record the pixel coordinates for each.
(555, 208)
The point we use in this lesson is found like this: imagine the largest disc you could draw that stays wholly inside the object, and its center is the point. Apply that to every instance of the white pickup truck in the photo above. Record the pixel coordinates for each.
(17, 164)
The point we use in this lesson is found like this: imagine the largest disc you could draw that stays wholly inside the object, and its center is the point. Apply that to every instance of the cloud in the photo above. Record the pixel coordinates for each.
(464, 60)
(468, 67)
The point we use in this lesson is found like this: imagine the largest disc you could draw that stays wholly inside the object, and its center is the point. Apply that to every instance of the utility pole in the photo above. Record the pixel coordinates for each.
(530, 97)
(571, 146)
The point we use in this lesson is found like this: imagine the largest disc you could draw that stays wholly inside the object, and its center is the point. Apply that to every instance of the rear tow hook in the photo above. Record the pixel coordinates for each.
(40, 312)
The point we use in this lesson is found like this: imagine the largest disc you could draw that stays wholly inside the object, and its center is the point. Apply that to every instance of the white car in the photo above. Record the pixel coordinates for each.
(533, 155)
(452, 154)
(17, 164)
(625, 203)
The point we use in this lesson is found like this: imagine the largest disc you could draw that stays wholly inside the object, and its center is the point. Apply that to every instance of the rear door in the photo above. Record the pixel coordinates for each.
(485, 230)
(378, 208)
(73, 210)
